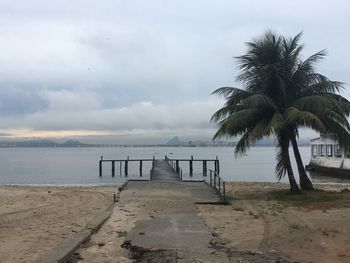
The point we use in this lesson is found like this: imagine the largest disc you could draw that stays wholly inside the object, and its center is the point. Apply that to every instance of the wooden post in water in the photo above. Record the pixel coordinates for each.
(211, 178)
(219, 183)
(217, 165)
(191, 166)
(140, 168)
(214, 180)
(113, 168)
(126, 167)
(177, 166)
(100, 168)
(204, 168)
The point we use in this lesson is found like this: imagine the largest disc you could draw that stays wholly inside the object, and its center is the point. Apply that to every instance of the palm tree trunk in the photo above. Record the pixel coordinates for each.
(305, 182)
(294, 188)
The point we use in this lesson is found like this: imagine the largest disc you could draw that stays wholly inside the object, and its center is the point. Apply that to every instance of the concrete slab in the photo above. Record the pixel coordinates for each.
(65, 249)
(174, 225)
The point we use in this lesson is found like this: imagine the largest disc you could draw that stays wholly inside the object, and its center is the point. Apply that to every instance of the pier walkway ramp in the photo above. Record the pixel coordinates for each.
(168, 228)
(163, 172)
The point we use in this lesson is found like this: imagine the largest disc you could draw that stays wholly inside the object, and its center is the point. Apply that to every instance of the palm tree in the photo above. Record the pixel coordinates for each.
(253, 116)
(281, 94)
(312, 93)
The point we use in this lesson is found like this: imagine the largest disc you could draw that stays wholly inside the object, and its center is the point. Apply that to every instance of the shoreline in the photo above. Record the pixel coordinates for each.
(63, 185)
(120, 183)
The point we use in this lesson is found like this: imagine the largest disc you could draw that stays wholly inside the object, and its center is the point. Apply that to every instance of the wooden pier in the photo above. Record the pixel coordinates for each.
(126, 165)
(191, 161)
(176, 164)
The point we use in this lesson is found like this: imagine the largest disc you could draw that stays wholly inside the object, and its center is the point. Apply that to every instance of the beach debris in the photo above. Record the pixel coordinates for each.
(122, 233)
(76, 257)
(344, 253)
(150, 255)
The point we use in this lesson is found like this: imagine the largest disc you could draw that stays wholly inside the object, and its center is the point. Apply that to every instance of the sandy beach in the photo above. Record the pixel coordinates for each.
(35, 219)
(258, 220)
(261, 217)
(313, 227)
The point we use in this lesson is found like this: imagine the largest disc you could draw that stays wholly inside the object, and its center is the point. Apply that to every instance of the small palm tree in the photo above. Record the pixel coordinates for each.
(281, 94)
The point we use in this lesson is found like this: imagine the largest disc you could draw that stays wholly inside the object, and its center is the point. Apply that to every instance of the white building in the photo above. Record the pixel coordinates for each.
(326, 155)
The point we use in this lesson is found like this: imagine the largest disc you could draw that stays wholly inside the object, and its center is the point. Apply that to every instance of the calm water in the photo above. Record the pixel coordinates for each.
(80, 165)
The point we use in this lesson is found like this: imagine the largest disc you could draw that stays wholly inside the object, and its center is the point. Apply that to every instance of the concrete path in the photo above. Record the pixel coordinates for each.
(171, 231)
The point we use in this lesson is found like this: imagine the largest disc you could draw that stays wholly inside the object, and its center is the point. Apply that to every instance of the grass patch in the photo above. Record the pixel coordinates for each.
(295, 226)
(238, 209)
(259, 214)
(285, 199)
(230, 199)
(326, 231)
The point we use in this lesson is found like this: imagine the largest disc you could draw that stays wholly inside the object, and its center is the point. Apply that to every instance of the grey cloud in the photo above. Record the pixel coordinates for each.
(143, 66)
(16, 102)
(142, 116)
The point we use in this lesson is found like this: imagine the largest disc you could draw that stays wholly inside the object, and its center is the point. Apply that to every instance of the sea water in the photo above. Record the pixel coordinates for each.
(79, 166)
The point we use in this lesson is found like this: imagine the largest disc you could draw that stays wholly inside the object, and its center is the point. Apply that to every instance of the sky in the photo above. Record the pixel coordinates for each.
(141, 72)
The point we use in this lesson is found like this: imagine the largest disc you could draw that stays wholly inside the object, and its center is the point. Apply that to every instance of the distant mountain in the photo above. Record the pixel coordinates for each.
(41, 143)
(175, 141)
(270, 141)
(72, 143)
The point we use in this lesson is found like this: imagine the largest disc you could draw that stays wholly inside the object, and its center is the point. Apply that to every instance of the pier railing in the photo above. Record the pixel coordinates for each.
(217, 183)
(126, 165)
(215, 180)
(175, 164)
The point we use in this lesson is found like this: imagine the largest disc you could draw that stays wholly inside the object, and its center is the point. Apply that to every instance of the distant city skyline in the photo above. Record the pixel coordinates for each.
(141, 72)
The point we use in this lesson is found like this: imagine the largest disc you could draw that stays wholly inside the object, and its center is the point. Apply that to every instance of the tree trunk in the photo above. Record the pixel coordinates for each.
(305, 182)
(294, 189)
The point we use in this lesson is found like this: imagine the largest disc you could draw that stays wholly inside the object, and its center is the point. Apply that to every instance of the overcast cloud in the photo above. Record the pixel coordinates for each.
(142, 71)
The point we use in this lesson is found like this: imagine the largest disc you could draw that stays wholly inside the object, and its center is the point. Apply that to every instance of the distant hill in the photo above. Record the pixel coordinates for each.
(72, 143)
(175, 141)
(41, 143)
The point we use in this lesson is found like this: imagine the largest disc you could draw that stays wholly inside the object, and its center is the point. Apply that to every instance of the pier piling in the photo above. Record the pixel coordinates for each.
(191, 166)
(140, 168)
(100, 168)
(126, 167)
(113, 168)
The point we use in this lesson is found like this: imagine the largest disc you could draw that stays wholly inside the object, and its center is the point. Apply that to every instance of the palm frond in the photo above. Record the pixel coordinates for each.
(259, 101)
(295, 117)
(239, 122)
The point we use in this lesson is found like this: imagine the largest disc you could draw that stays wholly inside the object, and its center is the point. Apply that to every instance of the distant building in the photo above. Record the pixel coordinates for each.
(326, 155)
